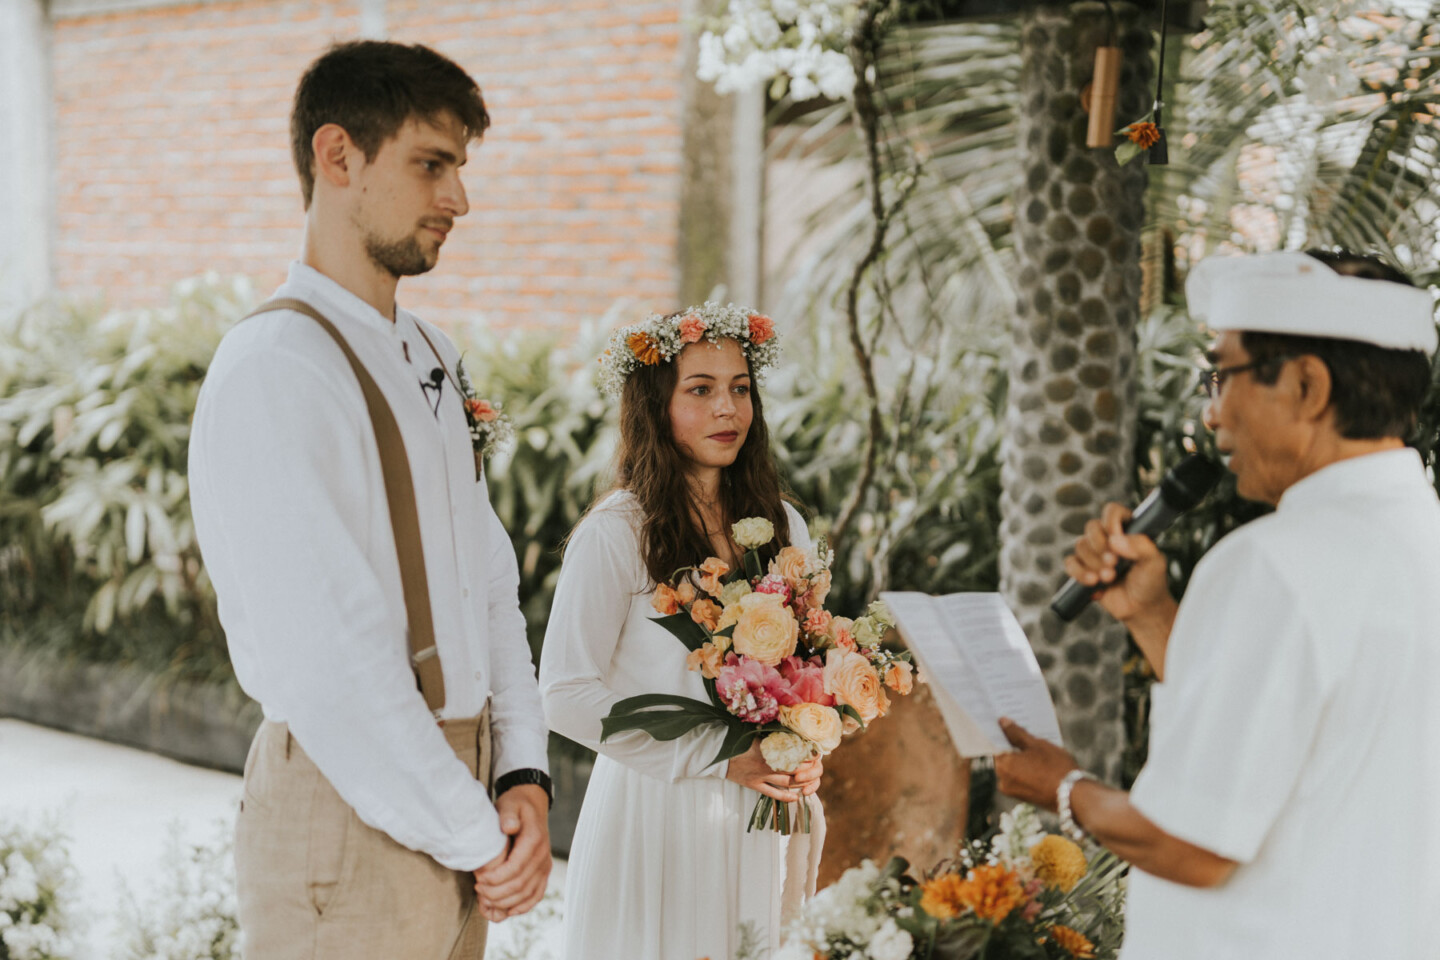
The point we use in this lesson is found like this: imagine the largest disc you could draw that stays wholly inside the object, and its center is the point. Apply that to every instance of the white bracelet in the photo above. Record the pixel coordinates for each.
(1068, 826)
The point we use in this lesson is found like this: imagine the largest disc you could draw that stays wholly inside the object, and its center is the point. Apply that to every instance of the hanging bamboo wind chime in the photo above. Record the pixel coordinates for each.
(1105, 89)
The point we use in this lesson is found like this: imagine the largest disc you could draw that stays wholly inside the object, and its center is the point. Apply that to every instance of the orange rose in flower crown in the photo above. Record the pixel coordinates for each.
(775, 664)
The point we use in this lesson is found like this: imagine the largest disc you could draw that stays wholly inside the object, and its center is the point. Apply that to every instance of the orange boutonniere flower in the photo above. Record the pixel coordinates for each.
(646, 350)
(1144, 135)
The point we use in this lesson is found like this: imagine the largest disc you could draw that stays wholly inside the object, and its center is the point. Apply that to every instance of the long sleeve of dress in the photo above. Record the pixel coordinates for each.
(599, 580)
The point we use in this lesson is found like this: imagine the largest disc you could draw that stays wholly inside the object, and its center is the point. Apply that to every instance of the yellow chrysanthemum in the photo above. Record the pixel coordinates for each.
(1072, 942)
(1059, 862)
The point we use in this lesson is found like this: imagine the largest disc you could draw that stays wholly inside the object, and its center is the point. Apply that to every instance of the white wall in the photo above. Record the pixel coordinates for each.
(25, 156)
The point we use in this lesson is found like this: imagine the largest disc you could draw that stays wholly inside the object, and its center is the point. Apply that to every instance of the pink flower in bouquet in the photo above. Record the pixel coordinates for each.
(774, 584)
(751, 690)
(806, 679)
(692, 328)
(817, 622)
(839, 633)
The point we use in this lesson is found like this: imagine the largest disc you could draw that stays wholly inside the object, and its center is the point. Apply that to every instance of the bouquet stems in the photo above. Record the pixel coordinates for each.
(772, 815)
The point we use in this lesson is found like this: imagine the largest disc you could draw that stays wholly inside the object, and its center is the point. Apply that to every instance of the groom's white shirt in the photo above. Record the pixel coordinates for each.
(291, 516)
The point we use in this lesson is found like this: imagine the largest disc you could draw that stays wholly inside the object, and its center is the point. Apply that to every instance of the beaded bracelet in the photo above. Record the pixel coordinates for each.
(1068, 826)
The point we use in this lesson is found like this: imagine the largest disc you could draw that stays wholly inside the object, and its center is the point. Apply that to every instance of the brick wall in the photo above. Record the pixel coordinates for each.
(172, 150)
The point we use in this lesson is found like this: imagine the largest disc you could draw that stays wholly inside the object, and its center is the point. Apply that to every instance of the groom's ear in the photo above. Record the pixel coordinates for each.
(336, 156)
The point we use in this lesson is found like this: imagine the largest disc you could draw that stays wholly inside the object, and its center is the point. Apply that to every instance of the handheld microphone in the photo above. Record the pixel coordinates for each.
(1182, 487)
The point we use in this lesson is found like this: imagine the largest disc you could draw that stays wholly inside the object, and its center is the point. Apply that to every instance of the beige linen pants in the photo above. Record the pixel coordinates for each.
(315, 883)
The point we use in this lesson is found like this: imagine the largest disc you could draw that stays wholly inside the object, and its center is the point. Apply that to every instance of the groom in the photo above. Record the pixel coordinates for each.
(366, 587)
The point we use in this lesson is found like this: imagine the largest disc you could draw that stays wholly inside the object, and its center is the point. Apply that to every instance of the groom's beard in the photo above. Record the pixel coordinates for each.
(399, 258)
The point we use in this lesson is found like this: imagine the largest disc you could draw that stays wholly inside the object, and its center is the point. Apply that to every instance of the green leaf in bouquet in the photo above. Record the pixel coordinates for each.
(737, 738)
(685, 629)
(644, 713)
(960, 940)
(728, 633)
(848, 711)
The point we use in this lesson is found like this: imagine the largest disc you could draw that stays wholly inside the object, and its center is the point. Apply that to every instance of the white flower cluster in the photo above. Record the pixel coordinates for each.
(799, 43)
(658, 339)
(191, 916)
(849, 919)
(1020, 829)
(35, 875)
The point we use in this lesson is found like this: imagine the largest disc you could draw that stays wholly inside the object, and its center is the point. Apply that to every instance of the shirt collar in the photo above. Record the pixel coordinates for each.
(314, 287)
(1363, 475)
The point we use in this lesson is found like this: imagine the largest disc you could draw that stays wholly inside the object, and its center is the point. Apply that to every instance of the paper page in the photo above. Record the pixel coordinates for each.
(978, 659)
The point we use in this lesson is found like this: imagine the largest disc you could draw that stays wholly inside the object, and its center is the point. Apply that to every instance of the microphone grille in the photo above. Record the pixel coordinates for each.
(1187, 483)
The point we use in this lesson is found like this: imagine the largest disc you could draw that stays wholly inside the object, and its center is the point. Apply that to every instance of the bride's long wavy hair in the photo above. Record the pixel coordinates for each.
(651, 466)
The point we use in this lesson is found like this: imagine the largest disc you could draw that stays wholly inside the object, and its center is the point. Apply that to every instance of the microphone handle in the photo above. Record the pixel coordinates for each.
(1150, 518)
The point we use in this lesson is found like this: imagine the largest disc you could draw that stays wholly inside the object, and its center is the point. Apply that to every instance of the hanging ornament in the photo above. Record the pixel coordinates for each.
(1099, 98)
(1147, 135)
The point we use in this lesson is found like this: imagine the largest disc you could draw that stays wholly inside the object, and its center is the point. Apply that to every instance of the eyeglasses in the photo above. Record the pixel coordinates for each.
(1212, 380)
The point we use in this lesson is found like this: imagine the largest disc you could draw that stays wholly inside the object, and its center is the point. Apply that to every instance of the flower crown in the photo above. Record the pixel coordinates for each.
(658, 339)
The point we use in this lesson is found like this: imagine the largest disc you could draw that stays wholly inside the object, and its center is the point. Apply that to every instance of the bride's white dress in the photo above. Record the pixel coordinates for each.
(661, 867)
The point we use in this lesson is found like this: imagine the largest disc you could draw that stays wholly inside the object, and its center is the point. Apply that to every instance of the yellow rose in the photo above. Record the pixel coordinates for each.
(852, 681)
(753, 532)
(766, 630)
(791, 564)
(785, 752)
(898, 677)
(820, 725)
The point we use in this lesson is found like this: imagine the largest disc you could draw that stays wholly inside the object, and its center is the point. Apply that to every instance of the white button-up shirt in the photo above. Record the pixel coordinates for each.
(1298, 730)
(291, 515)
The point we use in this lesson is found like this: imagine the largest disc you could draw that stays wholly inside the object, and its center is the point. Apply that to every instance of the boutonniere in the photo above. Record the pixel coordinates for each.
(489, 427)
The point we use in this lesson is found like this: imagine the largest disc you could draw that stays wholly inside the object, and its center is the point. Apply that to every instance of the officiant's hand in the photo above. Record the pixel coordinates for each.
(514, 882)
(1034, 771)
(750, 770)
(1103, 544)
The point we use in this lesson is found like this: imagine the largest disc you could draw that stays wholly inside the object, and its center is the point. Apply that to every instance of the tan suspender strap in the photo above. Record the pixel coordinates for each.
(404, 517)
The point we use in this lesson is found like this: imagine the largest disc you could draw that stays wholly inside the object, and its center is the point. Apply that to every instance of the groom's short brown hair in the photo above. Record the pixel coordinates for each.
(372, 88)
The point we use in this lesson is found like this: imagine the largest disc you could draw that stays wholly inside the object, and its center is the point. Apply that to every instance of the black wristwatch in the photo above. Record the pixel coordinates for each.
(523, 776)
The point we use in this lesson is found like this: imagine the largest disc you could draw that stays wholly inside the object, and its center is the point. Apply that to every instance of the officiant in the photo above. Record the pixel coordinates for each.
(1287, 809)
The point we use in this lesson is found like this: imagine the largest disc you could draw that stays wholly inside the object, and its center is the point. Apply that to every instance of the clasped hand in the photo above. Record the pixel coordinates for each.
(749, 769)
(514, 882)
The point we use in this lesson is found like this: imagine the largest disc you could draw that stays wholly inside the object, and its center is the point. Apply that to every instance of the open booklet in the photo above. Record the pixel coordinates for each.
(979, 665)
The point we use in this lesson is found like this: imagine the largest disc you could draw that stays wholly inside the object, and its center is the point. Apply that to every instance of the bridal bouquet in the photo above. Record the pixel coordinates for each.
(1022, 894)
(776, 665)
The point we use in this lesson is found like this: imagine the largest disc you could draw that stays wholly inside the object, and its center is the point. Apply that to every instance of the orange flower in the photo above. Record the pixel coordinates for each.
(711, 572)
(708, 660)
(706, 613)
(685, 592)
(990, 892)
(1072, 942)
(1144, 135)
(898, 678)
(666, 602)
(692, 328)
(817, 622)
(646, 350)
(762, 328)
(480, 410)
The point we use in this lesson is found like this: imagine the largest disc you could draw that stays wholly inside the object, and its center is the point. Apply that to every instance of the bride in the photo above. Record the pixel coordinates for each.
(662, 867)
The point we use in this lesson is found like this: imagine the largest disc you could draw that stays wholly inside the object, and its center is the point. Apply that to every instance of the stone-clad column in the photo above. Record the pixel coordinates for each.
(1070, 423)
(25, 189)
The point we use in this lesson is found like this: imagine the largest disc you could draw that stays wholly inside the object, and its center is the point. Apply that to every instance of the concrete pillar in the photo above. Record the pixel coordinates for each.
(26, 190)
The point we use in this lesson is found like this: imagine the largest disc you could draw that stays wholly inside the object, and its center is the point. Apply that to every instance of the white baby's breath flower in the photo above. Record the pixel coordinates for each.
(753, 532)
(890, 943)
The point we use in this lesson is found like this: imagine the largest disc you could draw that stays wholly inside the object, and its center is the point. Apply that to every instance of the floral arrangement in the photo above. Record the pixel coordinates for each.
(489, 428)
(775, 663)
(35, 875)
(658, 339)
(1022, 893)
(794, 44)
(192, 915)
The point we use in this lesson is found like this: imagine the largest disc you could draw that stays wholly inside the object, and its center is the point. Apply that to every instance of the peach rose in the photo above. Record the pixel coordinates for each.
(685, 592)
(820, 725)
(711, 571)
(666, 602)
(820, 587)
(898, 677)
(839, 632)
(762, 328)
(692, 328)
(707, 614)
(708, 659)
(790, 564)
(852, 681)
(765, 631)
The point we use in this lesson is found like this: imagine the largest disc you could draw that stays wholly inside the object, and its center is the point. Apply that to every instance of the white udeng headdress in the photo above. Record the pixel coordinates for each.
(1296, 294)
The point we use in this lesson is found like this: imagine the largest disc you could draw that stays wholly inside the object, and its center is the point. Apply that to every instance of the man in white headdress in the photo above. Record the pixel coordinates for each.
(1288, 807)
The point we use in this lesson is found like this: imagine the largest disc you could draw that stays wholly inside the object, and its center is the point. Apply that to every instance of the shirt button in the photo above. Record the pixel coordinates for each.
(479, 675)
(465, 593)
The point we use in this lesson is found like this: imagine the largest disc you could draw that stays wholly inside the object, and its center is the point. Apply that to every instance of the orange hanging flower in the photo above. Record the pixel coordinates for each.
(646, 350)
(1072, 942)
(1144, 134)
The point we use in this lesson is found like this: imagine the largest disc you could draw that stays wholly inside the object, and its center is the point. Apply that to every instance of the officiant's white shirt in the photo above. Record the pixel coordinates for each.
(291, 516)
(1298, 730)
